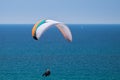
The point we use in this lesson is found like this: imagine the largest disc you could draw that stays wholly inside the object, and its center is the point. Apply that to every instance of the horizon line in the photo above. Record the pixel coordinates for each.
(64, 23)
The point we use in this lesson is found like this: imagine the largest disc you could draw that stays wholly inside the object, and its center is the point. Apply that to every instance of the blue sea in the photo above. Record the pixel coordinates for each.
(94, 53)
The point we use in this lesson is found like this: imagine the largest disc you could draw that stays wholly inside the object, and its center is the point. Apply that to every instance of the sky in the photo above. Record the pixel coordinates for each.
(67, 11)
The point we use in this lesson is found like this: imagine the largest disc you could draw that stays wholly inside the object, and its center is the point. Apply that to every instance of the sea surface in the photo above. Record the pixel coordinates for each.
(94, 53)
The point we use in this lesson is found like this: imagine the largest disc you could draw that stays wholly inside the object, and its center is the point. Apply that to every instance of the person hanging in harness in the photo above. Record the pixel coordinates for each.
(46, 73)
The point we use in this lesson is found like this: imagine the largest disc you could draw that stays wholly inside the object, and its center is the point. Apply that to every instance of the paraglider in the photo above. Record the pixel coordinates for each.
(47, 73)
(42, 25)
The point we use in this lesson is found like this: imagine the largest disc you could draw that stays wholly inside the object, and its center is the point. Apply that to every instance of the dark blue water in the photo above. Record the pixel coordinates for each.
(94, 53)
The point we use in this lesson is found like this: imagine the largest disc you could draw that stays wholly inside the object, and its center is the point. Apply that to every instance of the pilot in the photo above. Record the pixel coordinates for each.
(47, 73)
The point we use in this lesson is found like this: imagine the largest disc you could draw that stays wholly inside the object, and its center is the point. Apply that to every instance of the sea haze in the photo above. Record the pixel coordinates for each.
(94, 53)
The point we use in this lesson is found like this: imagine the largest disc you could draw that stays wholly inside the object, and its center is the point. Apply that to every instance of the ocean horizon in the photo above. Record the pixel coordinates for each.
(94, 53)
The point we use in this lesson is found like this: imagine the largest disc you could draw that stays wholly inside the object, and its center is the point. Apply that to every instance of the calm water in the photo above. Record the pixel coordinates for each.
(94, 53)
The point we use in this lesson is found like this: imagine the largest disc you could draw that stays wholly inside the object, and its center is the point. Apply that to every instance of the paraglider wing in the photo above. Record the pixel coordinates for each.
(65, 31)
(44, 25)
(42, 28)
(38, 23)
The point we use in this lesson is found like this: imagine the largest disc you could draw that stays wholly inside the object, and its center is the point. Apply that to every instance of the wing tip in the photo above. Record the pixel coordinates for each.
(35, 37)
(69, 40)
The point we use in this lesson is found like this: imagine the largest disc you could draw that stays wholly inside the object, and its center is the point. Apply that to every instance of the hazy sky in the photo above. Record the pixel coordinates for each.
(68, 11)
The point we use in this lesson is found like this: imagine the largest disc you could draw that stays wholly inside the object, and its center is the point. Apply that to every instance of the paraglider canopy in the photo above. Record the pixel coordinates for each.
(42, 25)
